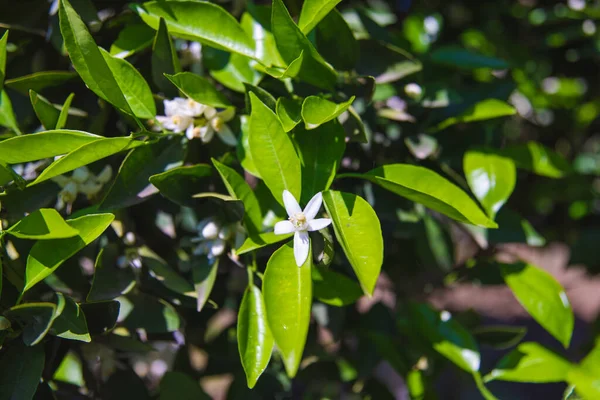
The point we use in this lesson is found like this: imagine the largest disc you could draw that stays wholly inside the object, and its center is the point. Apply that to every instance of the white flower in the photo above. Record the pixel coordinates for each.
(80, 181)
(301, 222)
(179, 114)
(413, 90)
(215, 122)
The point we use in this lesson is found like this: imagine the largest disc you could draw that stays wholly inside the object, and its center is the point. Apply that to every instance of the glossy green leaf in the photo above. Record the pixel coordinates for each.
(165, 274)
(164, 59)
(45, 256)
(334, 288)
(336, 41)
(289, 112)
(491, 178)
(243, 148)
(7, 115)
(3, 42)
(291, 42)
(232, 208)
(109, 280)
(180, 386)
(538, 159)
(447, 336)
(255, 341)
(204, 274)
(35, 319)
(230, 69)
(531, 362)
(263, 95)
(424, 186)
(199, 89)
(321, 152)
(543, 298)
(354, 126)
(256, 22)
(150, 313)
(586, 376)
(7, 174)
(132, 39)
(358, 231)
(255, 242)
(464, 59)
(499, 336)
(37, 146)
(292, 70)
(46, 112)
(87, 154)
(484, 110)
(199, 21)
(39, 81)
(317, 110)
(71, 323)
(131, 185)
(239, 189)
(279, 164)
(64, 112)
(45, 223)
(313, 11)
(22, 368)
(179, 184)
(287, 291)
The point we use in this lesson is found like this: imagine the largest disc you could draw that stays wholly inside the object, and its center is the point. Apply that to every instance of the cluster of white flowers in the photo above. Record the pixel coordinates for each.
(213, 237)
(197, 120)
(81, 181)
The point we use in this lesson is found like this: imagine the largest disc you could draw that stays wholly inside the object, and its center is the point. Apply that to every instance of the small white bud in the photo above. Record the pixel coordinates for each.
(129, 239)
(217, 248)
(81, 174)
(225, 233)
(105, 175)
(210, 230)
(69, 193)
(413, 90)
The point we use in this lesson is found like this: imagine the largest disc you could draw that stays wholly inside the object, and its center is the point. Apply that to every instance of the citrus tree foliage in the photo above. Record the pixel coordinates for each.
(247, 199)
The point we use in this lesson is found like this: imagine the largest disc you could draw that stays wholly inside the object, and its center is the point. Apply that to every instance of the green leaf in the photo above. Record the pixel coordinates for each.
(164, 59)
(424, 186)
(485, 109)
(110, 281)
(35, 318)
(150, 313)
(464, 59)
(199, 21)
(7, 174)
(491, 178)
(232, 208)
(240, 190)
(586, 375)
(46, 112)
(199, 89)
(39, 81)
(313, 11)
(87, 154)
(45, 223)
(321, 152)
(334, 288)
(447, 336)
(7, 115)
(166, 275)
(292, 70)
(45, 256)
(499, 337)
(22, 368)
(255, 341)
(179, 184)
(64, 112)
(289, 112)
(111, 78)
(3, 42)
(131, 185)
(231, 70)
(358, 231)
(37, 146)
(291, 42)
(101, 316)
(317, 110)
(243, 148)
(263, 95)
(287, 291)
(538, 159)
(180, 386)
(543, 298)
(71, 323)
(279, 165)
(531, 362)
(257, 25)
(255, 242)
(204, 274)
(336, 41)
(132, 39)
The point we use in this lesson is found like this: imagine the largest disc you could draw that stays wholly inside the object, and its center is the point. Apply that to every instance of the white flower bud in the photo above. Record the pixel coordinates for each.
(81, 174)
(217, 248)
(129, 239)
(90, 188)
(225, 232)
(210, 230)
(413, 90)
(105, 175)
(69, 193)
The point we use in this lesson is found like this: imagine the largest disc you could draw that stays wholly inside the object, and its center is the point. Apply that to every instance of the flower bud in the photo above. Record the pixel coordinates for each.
(81, 174)
(413, 90)
(105, 175)
(210, 230)
(217, 248)
(69, 193)
(225, 232)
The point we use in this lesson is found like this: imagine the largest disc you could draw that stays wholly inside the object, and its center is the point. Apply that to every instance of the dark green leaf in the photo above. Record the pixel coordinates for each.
(7, 115)
(258, 241)
(3, 42)
(317, 110)
(204, 274)
(265, 97)
(289, 112)
(101, 316)
(21, 371)
(464, 59)
(177, 385)
(110, 281)
(287, 291)
(164, 59)
(333, 288)
(132, 39)
(336, 41)
(179, 184)
(255, 341)
(46, 112)
(484, 110)
(35, 318)
(200, 21)
(199, 89)
(358, 231)
(71, 323)
(45, 223)
(499, 337)
(39, 81)
(150, 313)
(543, 298)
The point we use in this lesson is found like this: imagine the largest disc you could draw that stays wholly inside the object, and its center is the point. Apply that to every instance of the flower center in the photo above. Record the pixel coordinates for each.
(176, 119)
(217, 123)
(298, 220)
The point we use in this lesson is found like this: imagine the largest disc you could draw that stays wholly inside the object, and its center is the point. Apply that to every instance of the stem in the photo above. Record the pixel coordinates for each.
(482, 389)
(250, 277)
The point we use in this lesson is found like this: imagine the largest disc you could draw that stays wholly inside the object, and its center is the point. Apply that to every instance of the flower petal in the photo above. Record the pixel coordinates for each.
(227, 114)
(301, 247)
(189, 132)
(313, 206)
(226, 135)
(318, 224)
(291, 205)
(284, 227)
